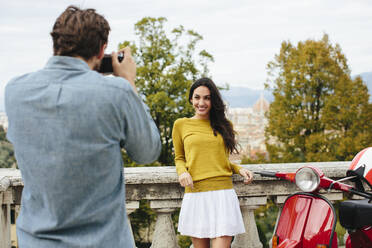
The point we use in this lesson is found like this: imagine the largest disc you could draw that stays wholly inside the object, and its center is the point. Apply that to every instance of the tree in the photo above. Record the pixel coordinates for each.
(348, 119)
(2, 134)
(259, 158)
(319, 113)
(167, 64)
(7, 158)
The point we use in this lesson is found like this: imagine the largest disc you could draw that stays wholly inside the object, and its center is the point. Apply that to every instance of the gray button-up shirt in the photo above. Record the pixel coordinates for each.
(67, 124)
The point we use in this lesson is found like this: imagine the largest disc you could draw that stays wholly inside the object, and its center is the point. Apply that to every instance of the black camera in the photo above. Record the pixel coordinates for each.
(106, 64)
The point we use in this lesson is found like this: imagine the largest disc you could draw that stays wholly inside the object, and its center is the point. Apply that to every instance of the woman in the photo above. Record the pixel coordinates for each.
(210, 208)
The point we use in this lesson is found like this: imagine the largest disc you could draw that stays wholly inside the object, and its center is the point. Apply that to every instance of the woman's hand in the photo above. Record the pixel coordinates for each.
(247, 174)
(186, 180)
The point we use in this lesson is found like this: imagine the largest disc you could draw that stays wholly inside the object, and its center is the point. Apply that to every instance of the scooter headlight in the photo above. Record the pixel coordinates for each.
(307, 179)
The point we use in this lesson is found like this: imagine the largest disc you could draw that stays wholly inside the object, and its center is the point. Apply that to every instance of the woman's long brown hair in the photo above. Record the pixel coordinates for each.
(217, 116)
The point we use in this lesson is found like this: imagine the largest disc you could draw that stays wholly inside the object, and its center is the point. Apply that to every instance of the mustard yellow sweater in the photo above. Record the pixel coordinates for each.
(203, 155)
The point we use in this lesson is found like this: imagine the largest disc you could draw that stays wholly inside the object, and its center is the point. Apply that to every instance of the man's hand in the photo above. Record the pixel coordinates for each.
(186, 180)
(125, 69)
(247, 174)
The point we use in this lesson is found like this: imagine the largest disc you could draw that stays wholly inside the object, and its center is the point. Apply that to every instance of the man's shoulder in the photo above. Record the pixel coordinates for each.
(21, 78)
(118, 83)
(85, 79)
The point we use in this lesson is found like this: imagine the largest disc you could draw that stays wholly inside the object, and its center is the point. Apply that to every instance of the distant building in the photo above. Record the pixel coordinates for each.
(250, 123)
(3, 120)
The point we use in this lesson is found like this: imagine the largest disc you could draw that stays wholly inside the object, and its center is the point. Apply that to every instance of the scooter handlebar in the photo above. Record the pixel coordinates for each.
(266, 173)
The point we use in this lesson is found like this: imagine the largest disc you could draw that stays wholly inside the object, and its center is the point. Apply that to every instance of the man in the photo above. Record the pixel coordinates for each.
(67, 123)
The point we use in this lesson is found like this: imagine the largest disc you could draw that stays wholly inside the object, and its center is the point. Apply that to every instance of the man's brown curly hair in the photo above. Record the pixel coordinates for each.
(79, 32)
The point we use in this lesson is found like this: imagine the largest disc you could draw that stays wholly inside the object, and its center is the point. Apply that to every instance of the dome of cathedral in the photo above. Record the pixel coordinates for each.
(262, 105)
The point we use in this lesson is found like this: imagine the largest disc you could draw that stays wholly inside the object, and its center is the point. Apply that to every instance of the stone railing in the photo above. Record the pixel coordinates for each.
(159, 185)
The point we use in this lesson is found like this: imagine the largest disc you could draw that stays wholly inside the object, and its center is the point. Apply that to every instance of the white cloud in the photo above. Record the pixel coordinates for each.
(242, 35)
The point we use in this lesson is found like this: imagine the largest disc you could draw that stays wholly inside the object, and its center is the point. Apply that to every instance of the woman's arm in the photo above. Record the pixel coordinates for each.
(179, 151)
(179, 156)
(235, 168)
(247, 174)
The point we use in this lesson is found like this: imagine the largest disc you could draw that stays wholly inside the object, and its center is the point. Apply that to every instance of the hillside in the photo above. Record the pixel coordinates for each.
(242, 97)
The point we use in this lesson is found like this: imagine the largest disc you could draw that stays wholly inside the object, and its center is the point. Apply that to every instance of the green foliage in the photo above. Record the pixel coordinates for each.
(265, 217)
(319, 113)
(141, 219)
(7, 158)
(130, 163)
(167, 64)
(183, 241)
(2, 134)
(260, 158)
(340, 230)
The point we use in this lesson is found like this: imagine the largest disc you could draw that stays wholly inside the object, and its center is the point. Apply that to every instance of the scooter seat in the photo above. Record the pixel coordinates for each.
(355, 214)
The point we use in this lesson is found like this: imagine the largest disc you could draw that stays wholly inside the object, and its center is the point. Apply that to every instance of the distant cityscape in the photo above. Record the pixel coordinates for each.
(250, 123)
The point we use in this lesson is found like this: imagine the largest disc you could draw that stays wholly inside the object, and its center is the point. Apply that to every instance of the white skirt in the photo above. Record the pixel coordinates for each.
(211, 214)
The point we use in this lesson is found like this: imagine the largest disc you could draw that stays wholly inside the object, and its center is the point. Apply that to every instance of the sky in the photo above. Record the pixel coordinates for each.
(242, 35)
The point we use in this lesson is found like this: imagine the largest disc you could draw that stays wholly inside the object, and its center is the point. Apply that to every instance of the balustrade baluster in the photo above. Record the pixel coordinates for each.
(6, 200)
(164, 234)
(249, 239)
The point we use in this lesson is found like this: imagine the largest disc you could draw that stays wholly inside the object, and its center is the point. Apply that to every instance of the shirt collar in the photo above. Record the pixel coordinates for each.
(67, 63)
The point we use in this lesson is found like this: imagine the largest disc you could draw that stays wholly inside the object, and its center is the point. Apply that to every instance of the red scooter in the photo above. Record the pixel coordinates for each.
(308, 219)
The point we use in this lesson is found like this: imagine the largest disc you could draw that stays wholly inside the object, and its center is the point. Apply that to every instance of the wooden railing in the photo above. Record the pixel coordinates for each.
(159, 185)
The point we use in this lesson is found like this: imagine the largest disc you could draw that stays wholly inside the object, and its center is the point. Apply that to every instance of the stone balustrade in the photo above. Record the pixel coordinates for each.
(159, 185)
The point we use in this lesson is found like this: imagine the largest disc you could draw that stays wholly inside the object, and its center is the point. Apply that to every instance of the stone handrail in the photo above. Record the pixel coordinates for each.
(160, 186)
